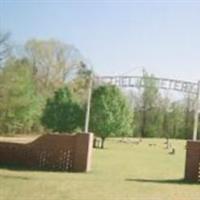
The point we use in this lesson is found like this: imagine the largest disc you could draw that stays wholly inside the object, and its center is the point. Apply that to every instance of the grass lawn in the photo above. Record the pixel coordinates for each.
(120, 172)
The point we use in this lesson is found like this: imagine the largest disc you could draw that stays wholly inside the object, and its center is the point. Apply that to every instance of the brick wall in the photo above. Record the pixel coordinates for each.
(50, 152)
(192, 168)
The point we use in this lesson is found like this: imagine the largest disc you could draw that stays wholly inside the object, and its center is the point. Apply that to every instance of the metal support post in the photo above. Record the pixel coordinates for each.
(196, 113)
(87, 117)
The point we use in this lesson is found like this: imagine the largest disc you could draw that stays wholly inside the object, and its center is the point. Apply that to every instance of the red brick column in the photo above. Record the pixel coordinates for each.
(83, 152)
(192, 170)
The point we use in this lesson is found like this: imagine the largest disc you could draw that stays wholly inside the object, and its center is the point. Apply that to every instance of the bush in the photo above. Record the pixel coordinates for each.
(62, 113)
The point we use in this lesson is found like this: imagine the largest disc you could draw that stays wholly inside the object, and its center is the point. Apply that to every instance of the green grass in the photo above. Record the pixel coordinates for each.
(120, 172)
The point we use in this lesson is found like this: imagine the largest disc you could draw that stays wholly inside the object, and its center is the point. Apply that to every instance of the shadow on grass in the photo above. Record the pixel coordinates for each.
(14, 177)
(165, 181)
(23, 168)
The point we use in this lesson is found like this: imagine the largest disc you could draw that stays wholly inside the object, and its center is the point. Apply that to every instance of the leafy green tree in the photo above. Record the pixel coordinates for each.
(147, 111)
(188, 103)
(19, 109)
(62, 113)
(110, 113)
(176, 119)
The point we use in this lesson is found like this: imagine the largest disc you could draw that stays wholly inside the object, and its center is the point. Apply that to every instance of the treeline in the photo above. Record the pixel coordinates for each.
(29, 77)
(44, 86)
(159, 115)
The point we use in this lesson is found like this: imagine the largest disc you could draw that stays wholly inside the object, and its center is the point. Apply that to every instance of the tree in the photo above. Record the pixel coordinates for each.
(110, 113)
(53, 62)
(80, 84)
(62, 113)
(147, 111)
(165, 113)
(4, 46)
(189, 103)
(177, 120)
(19, 109)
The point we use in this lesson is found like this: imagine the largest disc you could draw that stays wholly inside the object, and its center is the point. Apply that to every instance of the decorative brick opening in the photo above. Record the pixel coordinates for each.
(50, 152)
(199, 173)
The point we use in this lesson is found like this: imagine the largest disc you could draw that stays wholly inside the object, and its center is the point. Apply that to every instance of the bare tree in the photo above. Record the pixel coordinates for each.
(4, 45)
(52, 60)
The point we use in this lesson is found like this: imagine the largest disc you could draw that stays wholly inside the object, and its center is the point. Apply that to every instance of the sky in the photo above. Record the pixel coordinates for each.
(117, 37)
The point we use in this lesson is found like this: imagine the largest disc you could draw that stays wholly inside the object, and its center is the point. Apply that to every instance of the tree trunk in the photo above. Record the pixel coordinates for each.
(143, 124)
(167, 143)
(102, 142)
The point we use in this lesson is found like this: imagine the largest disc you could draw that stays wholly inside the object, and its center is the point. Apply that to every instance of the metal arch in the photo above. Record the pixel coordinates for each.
(138, 81)
(163, 83)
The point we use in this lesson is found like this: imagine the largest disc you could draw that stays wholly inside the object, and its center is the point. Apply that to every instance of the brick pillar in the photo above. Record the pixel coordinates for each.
(192, 171)
(82, 152)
